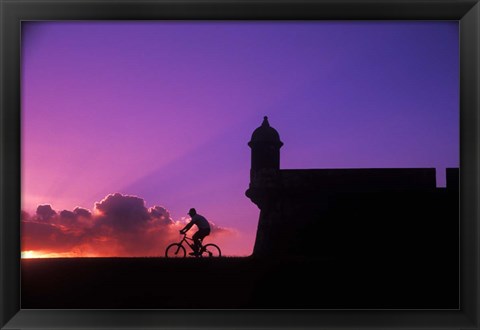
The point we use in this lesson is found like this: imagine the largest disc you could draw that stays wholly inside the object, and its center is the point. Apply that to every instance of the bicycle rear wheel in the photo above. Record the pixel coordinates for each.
(175, 250)
(211, 250)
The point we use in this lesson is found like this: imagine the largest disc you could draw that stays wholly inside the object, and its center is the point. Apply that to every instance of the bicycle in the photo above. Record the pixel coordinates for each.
(177, 250)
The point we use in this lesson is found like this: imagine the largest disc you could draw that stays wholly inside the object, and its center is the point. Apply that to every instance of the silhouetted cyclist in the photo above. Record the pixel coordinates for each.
(203, 229)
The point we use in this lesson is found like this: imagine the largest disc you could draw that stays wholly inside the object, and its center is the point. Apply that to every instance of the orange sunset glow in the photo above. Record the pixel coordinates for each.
(42, 254)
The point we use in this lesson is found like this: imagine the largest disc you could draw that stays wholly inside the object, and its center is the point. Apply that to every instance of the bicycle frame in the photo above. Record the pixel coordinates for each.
(186, 239)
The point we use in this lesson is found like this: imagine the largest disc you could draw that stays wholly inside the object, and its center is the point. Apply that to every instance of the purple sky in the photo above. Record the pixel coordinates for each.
(164, 110)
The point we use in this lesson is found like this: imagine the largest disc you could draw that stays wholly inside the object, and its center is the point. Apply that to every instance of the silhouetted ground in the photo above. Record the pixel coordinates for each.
(157, 283)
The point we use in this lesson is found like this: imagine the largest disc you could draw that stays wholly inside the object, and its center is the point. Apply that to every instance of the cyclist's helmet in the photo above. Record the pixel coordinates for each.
(192, 212)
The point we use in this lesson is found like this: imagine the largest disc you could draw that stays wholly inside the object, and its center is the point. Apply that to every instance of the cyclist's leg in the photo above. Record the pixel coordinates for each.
(198, 237)
(196, 241)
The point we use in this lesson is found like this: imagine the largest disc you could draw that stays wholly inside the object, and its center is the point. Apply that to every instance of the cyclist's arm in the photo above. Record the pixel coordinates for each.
(187, 227)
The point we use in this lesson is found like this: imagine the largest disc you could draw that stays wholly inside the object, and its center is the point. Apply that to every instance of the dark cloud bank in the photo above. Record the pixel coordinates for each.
(120, 225)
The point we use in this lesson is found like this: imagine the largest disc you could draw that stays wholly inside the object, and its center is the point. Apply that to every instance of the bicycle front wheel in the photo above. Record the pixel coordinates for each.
(175, 250)
(211, 250)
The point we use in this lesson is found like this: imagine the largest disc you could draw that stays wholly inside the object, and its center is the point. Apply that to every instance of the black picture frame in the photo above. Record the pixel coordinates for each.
(467, 12)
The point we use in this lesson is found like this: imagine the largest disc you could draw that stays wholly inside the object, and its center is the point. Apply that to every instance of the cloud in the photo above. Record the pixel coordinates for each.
(81, 212)
(67, 215)
(122, 212)
(120, 225)
(45, 212)
(41, 236)
(24, 216)
(161, 214)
